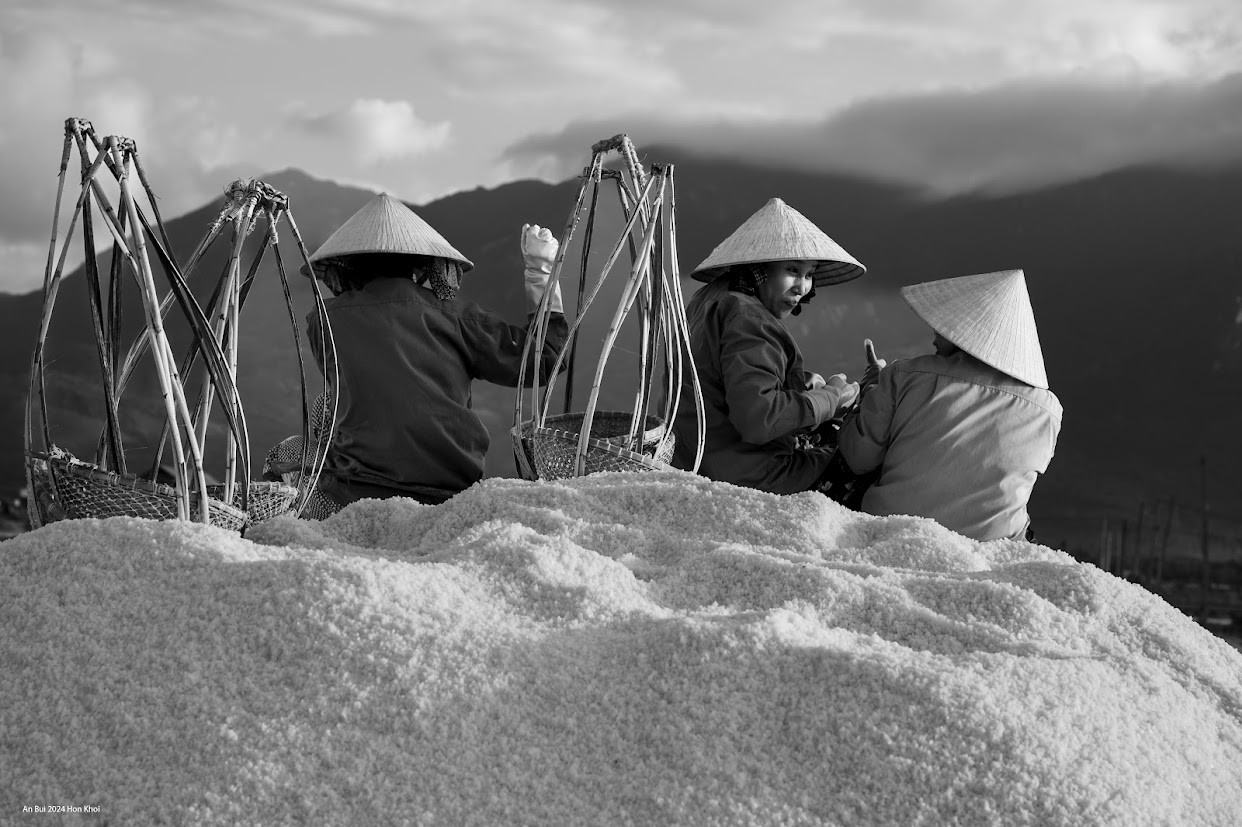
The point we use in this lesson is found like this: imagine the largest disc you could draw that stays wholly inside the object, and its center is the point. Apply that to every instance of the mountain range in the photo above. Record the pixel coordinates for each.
(1135, 277)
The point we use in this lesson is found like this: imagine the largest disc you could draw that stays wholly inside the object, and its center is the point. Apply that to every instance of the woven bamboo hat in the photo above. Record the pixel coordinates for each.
(385, 225)
(989, 316)
(778, 232)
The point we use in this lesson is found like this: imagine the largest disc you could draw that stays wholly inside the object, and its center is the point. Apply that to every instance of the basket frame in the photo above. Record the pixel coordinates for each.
(216, 342)
(648, 203)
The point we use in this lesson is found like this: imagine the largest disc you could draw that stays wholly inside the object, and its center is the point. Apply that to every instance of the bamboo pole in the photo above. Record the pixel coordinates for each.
(685, 343)
(174, 400)
(588, 235)
(230, 447)
(532, 349)
(35, 380)
(573, 329)
(327, 347)
(226, 317)
(307, 412)
(50, 290)
(214, 361)
(140, 344)
(640, 270)
(111, 445)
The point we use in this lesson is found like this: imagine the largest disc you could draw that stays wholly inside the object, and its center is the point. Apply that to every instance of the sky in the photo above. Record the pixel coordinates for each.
(422, 99)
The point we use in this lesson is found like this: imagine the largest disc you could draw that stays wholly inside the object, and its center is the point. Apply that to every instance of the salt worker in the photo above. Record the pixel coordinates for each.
(760, 402)
(408, 349)
(962, 434)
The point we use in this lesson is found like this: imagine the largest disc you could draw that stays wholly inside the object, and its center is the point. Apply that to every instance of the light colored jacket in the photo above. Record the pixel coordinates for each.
(754, 390)
(955, 440)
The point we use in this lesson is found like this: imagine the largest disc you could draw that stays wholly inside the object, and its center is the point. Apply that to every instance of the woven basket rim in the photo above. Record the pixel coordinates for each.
(133, 482)
(603, 445)
(652, 433)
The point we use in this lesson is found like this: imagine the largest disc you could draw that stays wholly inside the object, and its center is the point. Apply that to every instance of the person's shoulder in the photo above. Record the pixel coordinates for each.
(910, 365)
(1047, 400)
(466, 312)
(739, 307)
(927, 362)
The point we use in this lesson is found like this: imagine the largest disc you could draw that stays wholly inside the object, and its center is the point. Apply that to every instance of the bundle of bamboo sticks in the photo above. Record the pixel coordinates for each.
(213, 339)
(648, 206)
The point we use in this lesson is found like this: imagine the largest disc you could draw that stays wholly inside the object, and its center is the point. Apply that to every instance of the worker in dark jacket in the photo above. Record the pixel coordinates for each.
(407, 352)
(760, 402)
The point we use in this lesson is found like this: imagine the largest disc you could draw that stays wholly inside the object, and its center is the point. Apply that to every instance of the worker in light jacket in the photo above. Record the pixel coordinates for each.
(960, 435)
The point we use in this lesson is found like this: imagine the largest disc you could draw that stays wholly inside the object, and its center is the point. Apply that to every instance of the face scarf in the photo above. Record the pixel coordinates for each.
(442, 275)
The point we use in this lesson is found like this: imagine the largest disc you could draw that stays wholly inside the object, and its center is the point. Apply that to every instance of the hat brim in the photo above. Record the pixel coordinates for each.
(826, 273)
(466, 266)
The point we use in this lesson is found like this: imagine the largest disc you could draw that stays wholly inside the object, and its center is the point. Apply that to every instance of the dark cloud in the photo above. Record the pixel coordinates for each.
(1003, 138)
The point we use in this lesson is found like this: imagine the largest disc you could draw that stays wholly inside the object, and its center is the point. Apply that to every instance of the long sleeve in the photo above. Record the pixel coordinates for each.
(753, 367)
(496, 348)
(313, 337)
(865, 437)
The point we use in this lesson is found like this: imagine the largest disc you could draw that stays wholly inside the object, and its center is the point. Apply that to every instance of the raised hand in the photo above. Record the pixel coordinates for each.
(874, 365)
(539, 248)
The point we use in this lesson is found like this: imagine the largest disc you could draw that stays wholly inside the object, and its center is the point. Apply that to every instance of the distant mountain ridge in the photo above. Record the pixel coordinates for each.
(1134, 277)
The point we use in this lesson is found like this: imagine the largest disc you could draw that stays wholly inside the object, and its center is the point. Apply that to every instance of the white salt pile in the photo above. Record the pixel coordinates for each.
(623, 649)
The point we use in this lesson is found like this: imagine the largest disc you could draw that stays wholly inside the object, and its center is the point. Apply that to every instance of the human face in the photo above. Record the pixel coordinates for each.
(943, 346)
(786, 284)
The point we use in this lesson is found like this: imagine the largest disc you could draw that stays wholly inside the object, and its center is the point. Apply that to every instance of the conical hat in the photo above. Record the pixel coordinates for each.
(385, 225)
(989, 316)
(778, 232)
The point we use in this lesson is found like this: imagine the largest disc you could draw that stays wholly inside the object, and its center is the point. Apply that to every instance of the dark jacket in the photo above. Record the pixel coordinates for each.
(754, 391)
(407, 361)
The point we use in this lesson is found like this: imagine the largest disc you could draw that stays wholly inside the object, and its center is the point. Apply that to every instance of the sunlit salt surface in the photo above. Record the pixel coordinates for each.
(624, 648)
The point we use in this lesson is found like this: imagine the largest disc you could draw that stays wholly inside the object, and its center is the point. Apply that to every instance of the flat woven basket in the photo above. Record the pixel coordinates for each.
(552, 450)
(86, 490)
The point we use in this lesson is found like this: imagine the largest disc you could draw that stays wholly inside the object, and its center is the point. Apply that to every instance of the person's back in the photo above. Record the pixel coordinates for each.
(961, 435)
(405, 352)
(955, 440)
(407, 360)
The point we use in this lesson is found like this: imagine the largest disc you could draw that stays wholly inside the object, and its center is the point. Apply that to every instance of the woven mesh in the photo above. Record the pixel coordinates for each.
(285, 459)
(552, 450)
(320, 506)
(84, 490)
(266, 499)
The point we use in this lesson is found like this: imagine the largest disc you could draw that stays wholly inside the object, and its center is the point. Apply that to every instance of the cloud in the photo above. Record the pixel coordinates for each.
(43, 80)
(1003, 138)
(375, 130)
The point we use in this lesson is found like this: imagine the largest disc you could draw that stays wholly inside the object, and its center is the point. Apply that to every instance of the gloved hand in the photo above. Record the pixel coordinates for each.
(874, 365)
(813, 381)
(539, 248)
(837, 394)
(849, 391)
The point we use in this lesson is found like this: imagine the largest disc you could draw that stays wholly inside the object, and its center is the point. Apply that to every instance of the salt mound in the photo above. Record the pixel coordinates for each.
(646, 649)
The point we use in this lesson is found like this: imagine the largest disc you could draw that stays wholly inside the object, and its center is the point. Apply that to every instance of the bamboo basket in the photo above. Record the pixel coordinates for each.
(84, 490)
(584, 442)
(62, 486)
(552, 450)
